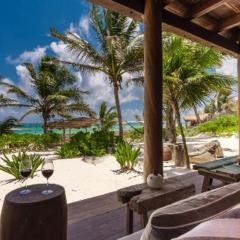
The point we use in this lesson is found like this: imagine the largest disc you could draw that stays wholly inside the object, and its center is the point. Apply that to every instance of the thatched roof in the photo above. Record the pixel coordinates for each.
(82, 122)
(193, 118)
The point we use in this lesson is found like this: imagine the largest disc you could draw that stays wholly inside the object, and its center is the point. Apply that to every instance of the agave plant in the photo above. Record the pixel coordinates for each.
(126, 155)
(11, 165)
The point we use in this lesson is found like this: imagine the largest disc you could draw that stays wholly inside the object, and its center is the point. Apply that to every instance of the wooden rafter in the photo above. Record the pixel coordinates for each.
(204, 7)
(229, 23)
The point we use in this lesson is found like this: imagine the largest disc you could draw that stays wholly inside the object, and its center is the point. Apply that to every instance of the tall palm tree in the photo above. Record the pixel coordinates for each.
(107, 117)
(54, 92)
(187, 82)
(7, 125)
(115, 52)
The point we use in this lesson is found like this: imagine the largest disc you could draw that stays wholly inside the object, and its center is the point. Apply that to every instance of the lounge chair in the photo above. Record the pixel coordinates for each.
(207, 152)
(181, 217)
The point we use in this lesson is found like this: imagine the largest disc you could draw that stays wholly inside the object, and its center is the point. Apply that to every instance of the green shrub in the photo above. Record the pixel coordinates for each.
(11, 165)
(13, 142)
(96, 143)
(126, 155)
(135, 134)
(68, 150)
(222, 125)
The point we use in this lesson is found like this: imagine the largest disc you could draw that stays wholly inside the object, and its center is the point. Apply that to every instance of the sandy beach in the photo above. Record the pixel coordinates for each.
(86, 178)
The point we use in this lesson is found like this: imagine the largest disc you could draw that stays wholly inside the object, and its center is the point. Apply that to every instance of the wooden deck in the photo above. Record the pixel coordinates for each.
(103, 217)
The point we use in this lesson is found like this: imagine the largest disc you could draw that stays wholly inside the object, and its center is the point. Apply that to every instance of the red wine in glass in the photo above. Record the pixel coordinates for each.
(47, 172)
(25, 169)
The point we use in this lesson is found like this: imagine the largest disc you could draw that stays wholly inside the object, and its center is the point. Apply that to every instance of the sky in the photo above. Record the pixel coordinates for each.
(24, 26)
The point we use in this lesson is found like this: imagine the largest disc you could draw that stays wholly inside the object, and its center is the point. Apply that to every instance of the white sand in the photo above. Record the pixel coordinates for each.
(85, 179)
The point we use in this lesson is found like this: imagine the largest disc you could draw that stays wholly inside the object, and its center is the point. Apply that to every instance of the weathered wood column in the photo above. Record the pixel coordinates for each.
(238, 108)
(153, 150)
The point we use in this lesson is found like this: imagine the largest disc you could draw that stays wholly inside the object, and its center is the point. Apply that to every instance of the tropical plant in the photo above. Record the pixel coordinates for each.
(7, 125)
(96, 143)
(219, 126)
(106, 117)
(14, 142)
(116, 50)
(5, 100)
(11, 165)
(126, 155)
(187, 81)
(55, 92)
(68, 150)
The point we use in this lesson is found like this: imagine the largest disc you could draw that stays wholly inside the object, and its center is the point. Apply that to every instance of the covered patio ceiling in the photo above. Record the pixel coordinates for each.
(215, 23)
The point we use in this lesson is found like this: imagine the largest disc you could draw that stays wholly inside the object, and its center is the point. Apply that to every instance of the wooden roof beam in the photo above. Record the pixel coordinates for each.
(204, 7)
(174, 23)
(229, 23)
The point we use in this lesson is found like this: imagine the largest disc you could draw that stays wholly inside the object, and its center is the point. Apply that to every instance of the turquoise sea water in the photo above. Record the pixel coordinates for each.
(36, 128)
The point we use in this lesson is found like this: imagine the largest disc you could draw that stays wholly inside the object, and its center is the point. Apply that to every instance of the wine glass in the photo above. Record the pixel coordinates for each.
(47, 171)
(25, 169)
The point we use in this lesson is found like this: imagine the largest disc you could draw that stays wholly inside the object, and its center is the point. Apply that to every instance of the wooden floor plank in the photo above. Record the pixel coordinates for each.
(103, 217)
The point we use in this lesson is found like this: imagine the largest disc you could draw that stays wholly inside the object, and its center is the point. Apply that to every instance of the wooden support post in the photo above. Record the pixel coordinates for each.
(153, 149)
(238, 109)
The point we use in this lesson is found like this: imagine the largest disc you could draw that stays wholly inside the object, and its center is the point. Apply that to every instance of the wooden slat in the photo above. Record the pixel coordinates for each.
(196, 33)
(204, 7)
(229, 23)
(217, 163)
(232, 171)
(175, 24)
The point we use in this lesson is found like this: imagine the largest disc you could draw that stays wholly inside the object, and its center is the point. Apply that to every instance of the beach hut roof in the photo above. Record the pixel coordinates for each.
(81, 122)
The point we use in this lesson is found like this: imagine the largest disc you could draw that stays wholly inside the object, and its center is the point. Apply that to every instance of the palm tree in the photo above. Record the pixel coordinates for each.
(115, 52)
(54, 93)
(7, 125)
(187, 82)
(107, 117)
(5, 100)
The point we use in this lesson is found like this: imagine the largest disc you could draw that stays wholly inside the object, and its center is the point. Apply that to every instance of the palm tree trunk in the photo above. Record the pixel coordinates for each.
(196, 114)
(45, 120)
(178, 117)
(118, 107)
(171, 125)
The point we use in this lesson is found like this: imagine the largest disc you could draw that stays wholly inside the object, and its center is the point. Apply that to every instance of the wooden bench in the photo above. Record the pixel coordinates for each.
(226, 170)
(142, 199)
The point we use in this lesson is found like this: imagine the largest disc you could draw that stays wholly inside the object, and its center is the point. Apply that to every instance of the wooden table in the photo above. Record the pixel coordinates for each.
(226, 170)
(142, 199)
(35, 216)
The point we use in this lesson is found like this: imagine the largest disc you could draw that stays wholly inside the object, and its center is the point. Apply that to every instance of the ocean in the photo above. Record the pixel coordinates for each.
(36, 128)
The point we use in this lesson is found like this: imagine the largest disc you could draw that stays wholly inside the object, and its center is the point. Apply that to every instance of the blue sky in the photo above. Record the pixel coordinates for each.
(24, 26)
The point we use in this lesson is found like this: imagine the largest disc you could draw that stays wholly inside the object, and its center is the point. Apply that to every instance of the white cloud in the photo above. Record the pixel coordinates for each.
(100, 90)
(129, 114)
(229, 66)
(28, 56)
(24, 77)
(84, 25)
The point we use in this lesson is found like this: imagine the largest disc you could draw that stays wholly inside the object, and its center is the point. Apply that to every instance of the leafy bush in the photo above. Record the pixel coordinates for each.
(68, 150)
(13, 142)
(136, 134)
(96, 143)
(222, 125)
(126, 155)
(11, 165)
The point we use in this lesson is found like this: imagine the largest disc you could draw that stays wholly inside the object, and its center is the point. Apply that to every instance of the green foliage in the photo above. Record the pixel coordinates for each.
(13, 142)
(96, 143)
(135, 134)
(222, 125)
(68, 150)
(7, 125)
(55, 91)
(107, 117)
(126, 155)
(11, 165)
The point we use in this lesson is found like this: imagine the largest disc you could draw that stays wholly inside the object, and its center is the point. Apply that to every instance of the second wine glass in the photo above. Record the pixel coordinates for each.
(47, 171)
